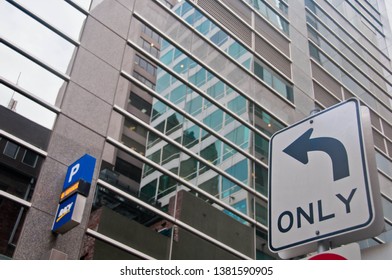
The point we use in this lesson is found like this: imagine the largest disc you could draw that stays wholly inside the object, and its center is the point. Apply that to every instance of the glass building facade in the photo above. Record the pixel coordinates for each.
(177, 101)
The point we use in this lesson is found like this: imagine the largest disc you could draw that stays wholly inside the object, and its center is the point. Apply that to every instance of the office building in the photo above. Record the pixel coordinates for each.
(177, 101)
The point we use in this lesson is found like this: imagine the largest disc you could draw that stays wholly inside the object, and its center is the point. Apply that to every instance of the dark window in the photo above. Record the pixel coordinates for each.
(174, 122)
(167, 184)
(11, 149)
(128, 169)
(30, 158)
(169, 153)
(135, 127)
(148, 192)
(145, 81)
(140, 104)
(188, 168)
(12, 218)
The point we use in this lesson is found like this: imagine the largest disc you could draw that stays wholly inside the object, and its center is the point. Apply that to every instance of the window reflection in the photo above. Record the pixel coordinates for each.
(26, 107)
(229, 45)
(384, 164)
(196, 138)
(28, 75)
(32, 36)
(214, 172)
(59, 13)
(238, 170)
(273, 17)
(42, 45)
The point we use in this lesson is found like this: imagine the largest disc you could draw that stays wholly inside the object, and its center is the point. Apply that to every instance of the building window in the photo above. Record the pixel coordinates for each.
(219, 38)
(139, 103)
(130, 125)
(11, 220)
(238, 171)
(150, 48)
(151, 69)
(274, 18)
(150, 33)
(11, 149)
(142, 79)
(273, 80)
(30, 158)
(127, 169)
(241, 207)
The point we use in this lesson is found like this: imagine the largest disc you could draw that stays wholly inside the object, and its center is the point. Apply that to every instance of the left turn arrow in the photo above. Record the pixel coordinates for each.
(300, 148)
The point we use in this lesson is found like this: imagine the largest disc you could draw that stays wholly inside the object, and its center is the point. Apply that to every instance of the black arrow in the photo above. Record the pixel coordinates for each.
(334, 148)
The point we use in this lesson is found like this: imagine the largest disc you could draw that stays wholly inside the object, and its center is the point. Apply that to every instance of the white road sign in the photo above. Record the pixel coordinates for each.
(320, 187)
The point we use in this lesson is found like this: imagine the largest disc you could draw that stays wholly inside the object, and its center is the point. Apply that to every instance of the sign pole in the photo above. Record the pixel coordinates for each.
(323, 246)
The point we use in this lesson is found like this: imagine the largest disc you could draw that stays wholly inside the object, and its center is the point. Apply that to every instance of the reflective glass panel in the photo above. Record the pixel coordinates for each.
(59, 13)
(32, 36)
(29, 75)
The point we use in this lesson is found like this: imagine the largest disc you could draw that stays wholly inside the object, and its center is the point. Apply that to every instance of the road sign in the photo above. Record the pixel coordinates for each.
(320, 186)
(76, 188)
(69, 214)
(82, 169)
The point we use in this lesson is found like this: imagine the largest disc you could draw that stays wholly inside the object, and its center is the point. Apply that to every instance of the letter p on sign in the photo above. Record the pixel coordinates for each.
(73, 172)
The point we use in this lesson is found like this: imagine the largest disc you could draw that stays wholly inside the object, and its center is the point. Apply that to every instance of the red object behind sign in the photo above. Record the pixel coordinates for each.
(327, 256)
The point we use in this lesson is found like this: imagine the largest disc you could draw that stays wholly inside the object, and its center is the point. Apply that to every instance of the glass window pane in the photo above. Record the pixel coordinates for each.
(238, 171)
(30, 158)
(237, 105)
(270, 14)
(191, 136)
(261, 147)
(158, 109)
(217, 90)
(173, 123)
(163, 82)
(211, 186)
(261, 179)
(214, 120)
(139, 103)
(212, 153)
(59, 13)
(28, 75)
(11, 149)
(384, 164)
(16, 183)
(194, 106)
(167, 58)
(30, 35)
(178, 94)
(188, 168)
